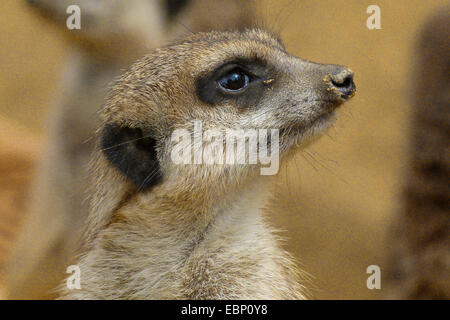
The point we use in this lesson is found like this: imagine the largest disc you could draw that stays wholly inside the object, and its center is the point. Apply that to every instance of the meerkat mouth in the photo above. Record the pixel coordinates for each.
(296, 129)
(327, 116)
(302, 135)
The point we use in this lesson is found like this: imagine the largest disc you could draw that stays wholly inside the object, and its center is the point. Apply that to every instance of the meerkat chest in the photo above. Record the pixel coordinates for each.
(238, 258)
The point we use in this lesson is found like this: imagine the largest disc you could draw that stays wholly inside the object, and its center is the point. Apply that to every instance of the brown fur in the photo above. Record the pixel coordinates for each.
(200, 233)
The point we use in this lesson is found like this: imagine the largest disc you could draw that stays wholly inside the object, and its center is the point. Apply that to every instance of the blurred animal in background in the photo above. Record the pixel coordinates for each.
(17, 162)
(113, 34)
(420, 261)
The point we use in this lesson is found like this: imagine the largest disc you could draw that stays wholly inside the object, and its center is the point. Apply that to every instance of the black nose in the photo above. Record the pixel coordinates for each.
(343, 82)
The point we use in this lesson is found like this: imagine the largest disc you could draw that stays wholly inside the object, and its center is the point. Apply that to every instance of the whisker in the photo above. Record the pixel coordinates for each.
(149, 177)
(279, 19)
(308, 161)
(126, 142)
(186, 27)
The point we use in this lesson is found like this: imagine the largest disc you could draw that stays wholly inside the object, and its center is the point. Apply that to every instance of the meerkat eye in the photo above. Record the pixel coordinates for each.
(234, 81)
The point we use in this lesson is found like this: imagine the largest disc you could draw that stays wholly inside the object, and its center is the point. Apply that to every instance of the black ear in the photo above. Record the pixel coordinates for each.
(132, 153)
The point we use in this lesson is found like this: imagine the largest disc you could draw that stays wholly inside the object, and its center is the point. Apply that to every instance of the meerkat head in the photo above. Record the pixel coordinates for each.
(213, 84)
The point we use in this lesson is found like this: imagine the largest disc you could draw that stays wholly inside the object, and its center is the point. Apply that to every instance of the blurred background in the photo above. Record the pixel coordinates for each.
(335, 201)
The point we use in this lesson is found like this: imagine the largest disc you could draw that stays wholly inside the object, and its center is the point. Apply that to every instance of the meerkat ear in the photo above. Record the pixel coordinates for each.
(133, 153)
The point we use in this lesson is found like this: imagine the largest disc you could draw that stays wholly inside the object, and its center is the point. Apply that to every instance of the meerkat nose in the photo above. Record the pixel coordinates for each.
(342, 80)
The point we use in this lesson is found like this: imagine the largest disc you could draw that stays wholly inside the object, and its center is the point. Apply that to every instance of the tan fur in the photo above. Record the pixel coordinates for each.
(200, 233)
(113, 34)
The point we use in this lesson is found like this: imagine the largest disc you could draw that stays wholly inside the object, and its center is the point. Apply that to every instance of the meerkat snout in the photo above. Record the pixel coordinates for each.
(342, 80)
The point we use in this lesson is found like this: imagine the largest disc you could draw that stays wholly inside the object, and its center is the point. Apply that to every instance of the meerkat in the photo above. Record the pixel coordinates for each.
(113, 34)
(164, 230)
(419, 265)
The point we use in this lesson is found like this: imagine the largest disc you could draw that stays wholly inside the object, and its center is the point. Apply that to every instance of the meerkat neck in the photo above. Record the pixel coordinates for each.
(224, 251)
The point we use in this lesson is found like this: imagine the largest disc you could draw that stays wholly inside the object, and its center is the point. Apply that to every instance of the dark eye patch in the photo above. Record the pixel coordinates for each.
(210, 87)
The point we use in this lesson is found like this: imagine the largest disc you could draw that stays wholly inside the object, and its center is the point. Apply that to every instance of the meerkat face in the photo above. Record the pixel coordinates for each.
(216, 82)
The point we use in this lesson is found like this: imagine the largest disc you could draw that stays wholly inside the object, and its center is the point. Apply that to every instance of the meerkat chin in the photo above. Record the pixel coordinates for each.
(159, 230)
